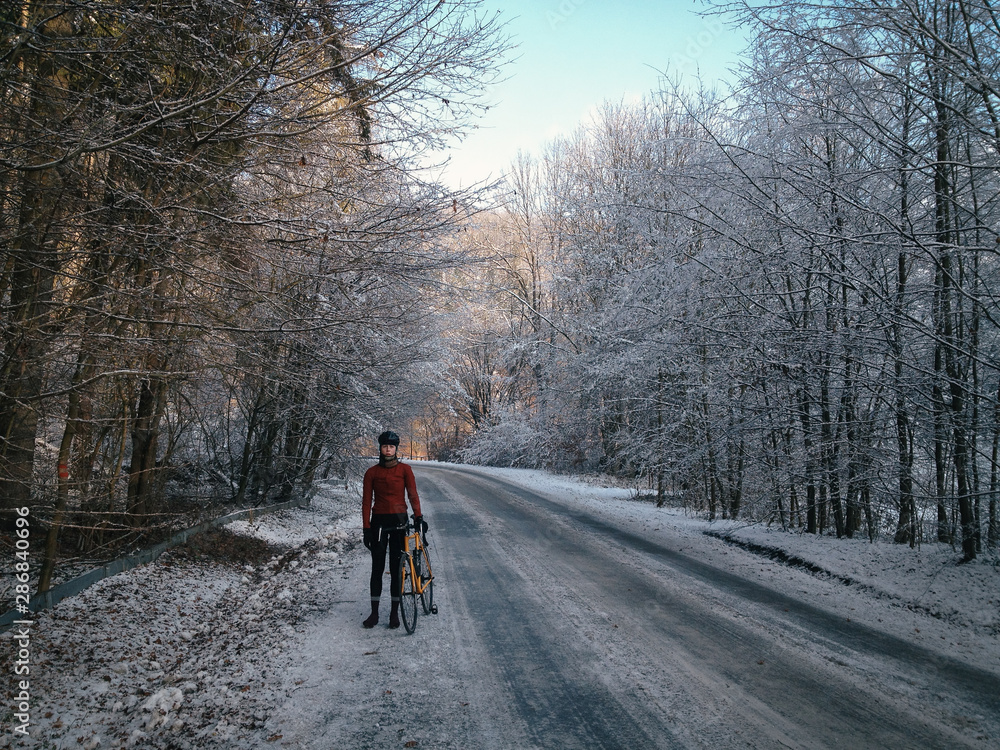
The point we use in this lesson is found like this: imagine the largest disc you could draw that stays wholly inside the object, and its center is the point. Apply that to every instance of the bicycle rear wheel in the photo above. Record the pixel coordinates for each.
(427, 589)
(408, 598)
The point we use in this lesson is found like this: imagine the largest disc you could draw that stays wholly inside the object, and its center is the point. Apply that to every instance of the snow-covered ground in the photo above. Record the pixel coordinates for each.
(186, 651)
(195, 649)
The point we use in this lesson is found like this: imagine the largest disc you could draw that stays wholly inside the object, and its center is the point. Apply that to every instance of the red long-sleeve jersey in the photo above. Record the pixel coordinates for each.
(385, 490)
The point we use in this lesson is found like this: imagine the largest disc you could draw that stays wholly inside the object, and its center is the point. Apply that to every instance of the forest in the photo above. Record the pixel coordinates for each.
(226, 262)
(776, 303)
(220, 252)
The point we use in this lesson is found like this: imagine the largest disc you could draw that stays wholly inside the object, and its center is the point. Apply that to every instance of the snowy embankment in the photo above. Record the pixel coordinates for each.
(184, 652)
(189, 651)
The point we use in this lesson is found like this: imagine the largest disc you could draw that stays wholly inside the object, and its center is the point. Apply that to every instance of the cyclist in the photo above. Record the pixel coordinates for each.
(383, 513)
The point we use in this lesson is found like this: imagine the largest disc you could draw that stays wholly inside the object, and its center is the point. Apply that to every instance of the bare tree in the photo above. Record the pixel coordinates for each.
(216, 203)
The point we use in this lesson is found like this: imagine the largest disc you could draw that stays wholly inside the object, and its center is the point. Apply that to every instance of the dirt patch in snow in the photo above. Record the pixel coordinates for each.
(224, 546)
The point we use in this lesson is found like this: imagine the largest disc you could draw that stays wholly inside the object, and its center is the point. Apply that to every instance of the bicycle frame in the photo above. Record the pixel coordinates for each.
(416, 580)
(417, 560)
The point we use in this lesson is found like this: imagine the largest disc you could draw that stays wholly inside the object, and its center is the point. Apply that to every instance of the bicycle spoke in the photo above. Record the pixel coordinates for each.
(408, 600)
(427, 583)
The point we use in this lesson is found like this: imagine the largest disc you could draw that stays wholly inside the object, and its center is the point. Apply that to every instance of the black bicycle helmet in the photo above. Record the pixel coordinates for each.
(388, 438)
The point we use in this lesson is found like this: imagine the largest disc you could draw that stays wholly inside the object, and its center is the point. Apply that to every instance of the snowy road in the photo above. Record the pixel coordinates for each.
(560, 630)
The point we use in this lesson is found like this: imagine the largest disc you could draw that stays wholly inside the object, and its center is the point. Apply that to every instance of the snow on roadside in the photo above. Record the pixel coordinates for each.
(185, 652)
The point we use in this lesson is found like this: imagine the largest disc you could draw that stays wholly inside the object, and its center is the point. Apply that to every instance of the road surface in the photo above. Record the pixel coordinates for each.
(560, 630)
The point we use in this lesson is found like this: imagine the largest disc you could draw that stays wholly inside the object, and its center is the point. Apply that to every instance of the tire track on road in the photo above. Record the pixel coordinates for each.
(779, 694)
(560, 700)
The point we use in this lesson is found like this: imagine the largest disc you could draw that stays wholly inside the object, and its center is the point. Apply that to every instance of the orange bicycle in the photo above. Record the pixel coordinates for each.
(417, 578)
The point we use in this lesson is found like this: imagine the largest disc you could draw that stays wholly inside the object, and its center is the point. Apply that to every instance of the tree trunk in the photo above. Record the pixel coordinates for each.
(812, 521)
(830, 454)
(149, 411)
(84, 369)
(993, 530)
(34, 264)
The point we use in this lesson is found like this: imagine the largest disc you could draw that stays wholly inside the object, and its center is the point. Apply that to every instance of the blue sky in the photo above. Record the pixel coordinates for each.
(572, 56)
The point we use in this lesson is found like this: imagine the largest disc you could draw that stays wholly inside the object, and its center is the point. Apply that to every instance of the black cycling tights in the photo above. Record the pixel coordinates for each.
(391, 538)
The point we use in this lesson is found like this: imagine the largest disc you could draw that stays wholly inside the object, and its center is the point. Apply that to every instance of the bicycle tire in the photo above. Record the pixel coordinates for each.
(408, 595)
(427, 593)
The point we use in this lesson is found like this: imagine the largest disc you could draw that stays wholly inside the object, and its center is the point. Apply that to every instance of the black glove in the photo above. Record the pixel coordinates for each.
(370, 537)
(420, 524)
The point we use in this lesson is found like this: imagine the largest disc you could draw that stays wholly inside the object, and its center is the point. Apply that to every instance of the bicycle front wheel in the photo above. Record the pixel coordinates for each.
(408, 598)
(427, 583)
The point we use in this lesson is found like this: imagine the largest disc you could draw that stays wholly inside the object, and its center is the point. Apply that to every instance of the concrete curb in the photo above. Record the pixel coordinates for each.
(74, 586)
